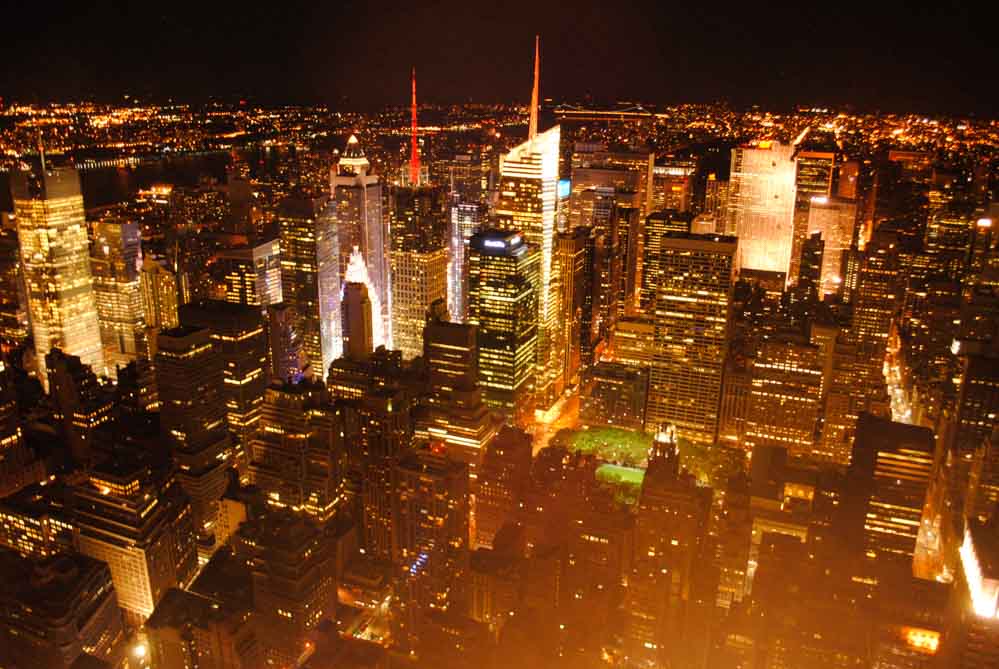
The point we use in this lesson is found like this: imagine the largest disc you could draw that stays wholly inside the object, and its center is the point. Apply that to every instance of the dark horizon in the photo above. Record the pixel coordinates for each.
(354, 56)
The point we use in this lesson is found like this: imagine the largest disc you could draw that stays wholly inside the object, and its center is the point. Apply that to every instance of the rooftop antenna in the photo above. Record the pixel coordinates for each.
(414, 149)
(532, 128)
(41, 150)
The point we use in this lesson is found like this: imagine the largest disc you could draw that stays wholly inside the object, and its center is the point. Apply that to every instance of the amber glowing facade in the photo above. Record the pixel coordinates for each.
(502, 296)
(310, 276)
(760, 207)
(115, 266)
(527, 202)
(419, 277)
(55, 260)
(692, 314)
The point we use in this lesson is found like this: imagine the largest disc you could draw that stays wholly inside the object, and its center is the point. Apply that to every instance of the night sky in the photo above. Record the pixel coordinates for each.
(357, 55)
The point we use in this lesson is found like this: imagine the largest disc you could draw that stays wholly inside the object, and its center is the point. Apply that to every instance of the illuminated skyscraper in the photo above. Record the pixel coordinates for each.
(432, 524)
(358, 340)
(814, 166)
(357, 196)
(671, 528)
(692, 314)
(571, 265)
(240, 341)
(159, 295)
(673, 185)
(115, 262)
(761, 205)
(468, 213)
(657, 224)
(835, 219)
(456, 415)
(310, 276)
(138, 521)
(785, 400)
(890, 471)
(502, 298)
(357, 273)
(13, 302)
(877, 296)
(419, 278)
(528, 193)
(193, 422)
(298, 459)
(55, 260)
(253, 274)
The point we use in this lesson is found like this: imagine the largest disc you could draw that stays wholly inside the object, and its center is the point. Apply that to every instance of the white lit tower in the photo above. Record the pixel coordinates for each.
(528, 197)
(357, 195)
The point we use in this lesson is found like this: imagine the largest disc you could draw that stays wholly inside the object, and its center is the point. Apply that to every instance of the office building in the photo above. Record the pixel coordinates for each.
(284, 342)
(432, 524)
(358, 320)
(761, 205)
(298, 458)
(357, 197)
(613, 393)
(357, 273)
(419, 278)
(55, 262)
(159, 295)
(138, 521)
(573, 275)
(114, 263)
(193, 421)
(310, 275)
(890, 471)
(240, 341)
(528, 193)
(13, 301)
(55, 610)
(82, 403)
(814, 165)
(785, 400)
(469, 178)
(253, 274)
(293, 578)
(835, 219)
(189, 629)
(634, 341)
(657, 224)
(503, 479)
(456, 415)
(673, 185)
(504, 276)
(692, 315)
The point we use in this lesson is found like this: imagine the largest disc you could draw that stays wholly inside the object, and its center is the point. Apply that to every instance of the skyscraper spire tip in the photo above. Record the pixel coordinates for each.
(532, 127)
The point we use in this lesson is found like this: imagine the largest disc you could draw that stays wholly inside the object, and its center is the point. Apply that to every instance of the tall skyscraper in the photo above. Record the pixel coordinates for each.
(502, 297)
(138, 521)
(814, 165)
(357, 196)
(673, 185)
(13, 302)
(468, 212)
(193, 421)
(657, 224)
(835, 219)
(253, 274)
(159, 295)
(572, 269)
(298, 459)
(692, 316)
(761, 205)
(55, 260)
(310, 276)
(890, 471)
(457, 414)
(419, 278)
(785, 399)
(358, 339)
(528, 195)
(240, 341)
(114, 262)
